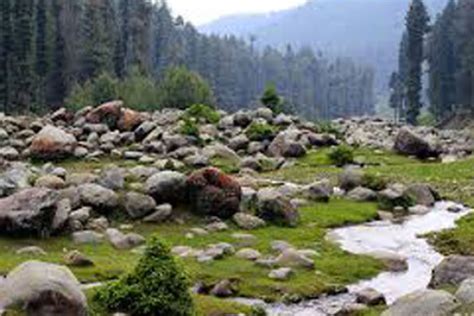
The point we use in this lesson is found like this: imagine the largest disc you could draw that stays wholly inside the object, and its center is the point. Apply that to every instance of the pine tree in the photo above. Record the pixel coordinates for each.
(417, 26)
(58, 86)
(41, 48)
(5, 54)
(22, 56)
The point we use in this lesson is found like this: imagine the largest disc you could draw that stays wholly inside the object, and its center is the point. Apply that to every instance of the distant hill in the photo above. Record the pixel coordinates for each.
(368, 31)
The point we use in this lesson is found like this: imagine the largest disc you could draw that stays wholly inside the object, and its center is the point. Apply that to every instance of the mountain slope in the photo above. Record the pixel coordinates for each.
(365, 30)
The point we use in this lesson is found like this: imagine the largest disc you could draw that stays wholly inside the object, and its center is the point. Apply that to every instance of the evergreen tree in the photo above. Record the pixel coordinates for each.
(417, 26)
(22, 55)
(41, 48)
(5, 55)
(58, 86)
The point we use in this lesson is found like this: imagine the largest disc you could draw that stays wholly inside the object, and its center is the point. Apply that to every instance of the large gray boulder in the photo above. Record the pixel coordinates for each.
(409, 143)
(274, 208)
(52, 143)
(424, 303)
(421, 194)
(139, 205)
(166, 186)
(43, 289)
(31, 212)
(452, 271)
(465, 292)
(100, 198)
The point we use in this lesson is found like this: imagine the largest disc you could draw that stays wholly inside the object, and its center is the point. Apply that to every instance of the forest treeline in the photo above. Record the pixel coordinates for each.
(50, 47)
(444, 48)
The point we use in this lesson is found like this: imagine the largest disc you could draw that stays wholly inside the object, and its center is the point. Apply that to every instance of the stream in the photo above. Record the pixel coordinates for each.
(384, 236)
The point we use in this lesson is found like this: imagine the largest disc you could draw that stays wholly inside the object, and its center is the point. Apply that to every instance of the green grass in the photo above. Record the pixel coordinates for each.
(334, 267)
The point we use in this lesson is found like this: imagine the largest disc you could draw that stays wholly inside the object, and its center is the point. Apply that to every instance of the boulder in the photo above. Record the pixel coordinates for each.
(213, 193)
(409, 143)
(87, 237)
(50, 182)
(423, 303)
(112, 178)
(361, 194)
(161, 214)
(370, 297)
(100, 198)
(278, 210)
(129, 120)
(31, 251)
(421, 194)
(139, 205)
(281, 274)
(286, 145)
(391, 198)
(248, 221)
(43, 289)
(320, 191)
(351, 178)
(224, 288)
(124, 241)
(465, 292)
(166, 186)
(108, 113)
(292, 258)
(29, 212)
(77, 259)
(52, 143)
(452, 271)
(248, 254)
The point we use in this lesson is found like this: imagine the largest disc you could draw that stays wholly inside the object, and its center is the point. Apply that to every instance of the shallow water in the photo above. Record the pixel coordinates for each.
(403, 239)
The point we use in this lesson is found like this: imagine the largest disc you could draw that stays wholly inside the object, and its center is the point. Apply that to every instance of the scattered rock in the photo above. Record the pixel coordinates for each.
(213, 193)
(52, 143)
(247, 221)
(370, 297)
(100, 198)
(248, 254)
(409, 143)
(87, 237)
(43, 289)
(423, 303)
(139, 205)
(361, 194)
(280, 274)
(166, 186)
(452, 271)
(292, 258)
(77, 259)
(161, 214)
(465, 292)
(122, 241)
(277, 210)
(421, 194)
(224, 288)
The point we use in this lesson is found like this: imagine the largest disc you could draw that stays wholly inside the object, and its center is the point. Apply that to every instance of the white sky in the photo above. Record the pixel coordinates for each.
(202, 11)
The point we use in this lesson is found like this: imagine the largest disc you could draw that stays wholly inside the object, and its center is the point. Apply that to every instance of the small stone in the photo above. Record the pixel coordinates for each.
(248, 254)
(87, 237)
(280, 245)
(280, 274)
(370, 297)
(181, 251)
(291, 257)
(161, 214)
(77, 259)
(247, 221)
(217, 227)
(199, 231)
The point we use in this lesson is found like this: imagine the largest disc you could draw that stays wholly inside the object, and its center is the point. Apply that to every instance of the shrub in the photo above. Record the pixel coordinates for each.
(374, 182)
(157, 286)
(204, 112)
(271, 99)
(329, 128)
(189, 128)
(260, 131)
(93, 92)
(181, 88)
(140, 92)
(341, 155)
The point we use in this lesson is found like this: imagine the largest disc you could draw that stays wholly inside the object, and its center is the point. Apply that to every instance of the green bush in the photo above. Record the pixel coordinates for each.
(203, 112)
(140, 92)
(374, 182)
(93, 92)
(260, 131)
(271, 99)
(341, 155)
(329, 128)
(181, 88)
(157, 286)
(189, 128)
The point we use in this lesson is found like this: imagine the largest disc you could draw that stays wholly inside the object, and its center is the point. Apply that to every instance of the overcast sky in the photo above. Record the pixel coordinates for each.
(203, 11)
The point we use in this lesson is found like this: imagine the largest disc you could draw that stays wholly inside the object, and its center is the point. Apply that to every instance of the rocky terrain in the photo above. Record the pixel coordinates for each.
(86, 190)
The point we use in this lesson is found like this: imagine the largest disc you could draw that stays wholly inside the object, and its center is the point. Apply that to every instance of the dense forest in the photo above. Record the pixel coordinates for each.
(49, 47)
(445, 48)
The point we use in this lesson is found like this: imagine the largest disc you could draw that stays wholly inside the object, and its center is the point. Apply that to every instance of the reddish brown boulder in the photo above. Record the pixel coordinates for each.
(52, 143)
(108, 113)
(129, 120)
(213, 193)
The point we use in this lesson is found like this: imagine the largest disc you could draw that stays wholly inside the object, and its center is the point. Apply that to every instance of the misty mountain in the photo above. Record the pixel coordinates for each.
(368, 31)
